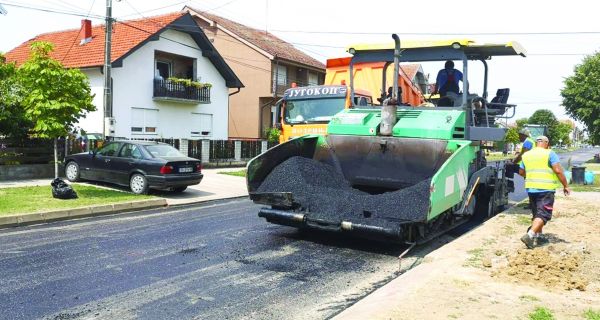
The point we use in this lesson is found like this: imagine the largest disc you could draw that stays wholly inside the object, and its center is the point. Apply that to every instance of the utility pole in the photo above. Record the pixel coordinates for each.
(107, 105)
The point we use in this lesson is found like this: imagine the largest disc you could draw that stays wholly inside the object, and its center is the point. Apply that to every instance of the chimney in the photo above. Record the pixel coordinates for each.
(86, 31)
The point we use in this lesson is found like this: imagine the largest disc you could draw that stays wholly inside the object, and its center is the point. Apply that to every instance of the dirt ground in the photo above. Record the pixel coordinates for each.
(489, 274)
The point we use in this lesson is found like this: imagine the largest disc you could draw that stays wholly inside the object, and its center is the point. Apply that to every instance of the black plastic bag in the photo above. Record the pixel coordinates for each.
(61, 190)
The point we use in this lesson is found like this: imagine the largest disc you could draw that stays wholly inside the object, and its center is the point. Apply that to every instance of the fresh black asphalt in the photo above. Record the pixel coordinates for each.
(216, 261)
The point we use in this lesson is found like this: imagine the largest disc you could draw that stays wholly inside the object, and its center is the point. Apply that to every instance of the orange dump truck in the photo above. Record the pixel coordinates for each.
(369, 76)
(307, 110)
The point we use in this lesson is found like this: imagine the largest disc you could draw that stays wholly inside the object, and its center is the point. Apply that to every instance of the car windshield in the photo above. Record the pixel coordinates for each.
(161, 150)
(312, 110)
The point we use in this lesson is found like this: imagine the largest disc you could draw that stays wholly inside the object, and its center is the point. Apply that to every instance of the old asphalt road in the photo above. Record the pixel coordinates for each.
(211, 261)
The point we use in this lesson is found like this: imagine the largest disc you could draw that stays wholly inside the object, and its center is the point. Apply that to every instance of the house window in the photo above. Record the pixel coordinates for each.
(313, 79)
(144, 121)
(163, 69)
(280, 75)
(202, 124)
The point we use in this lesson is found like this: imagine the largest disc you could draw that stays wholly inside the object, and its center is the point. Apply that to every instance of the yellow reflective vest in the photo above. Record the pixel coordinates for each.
(539, 174)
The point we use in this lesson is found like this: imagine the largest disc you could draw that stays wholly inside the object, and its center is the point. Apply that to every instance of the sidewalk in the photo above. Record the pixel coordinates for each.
(214, 186)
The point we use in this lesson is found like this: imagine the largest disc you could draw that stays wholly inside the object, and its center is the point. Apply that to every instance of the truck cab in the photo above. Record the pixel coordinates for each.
(308, 110)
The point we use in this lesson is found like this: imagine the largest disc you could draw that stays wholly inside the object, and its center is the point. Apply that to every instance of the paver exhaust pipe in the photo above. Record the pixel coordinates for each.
(390, 105)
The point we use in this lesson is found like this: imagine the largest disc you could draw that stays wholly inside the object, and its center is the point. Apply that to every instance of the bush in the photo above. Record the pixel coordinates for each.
(272, 134)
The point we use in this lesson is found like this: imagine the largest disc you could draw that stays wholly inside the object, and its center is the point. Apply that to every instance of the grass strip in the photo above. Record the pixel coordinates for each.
(239, 173)
(39, 198)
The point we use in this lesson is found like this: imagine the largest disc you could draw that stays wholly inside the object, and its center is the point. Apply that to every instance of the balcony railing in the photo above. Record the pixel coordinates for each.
(169, 90)
(281, 87)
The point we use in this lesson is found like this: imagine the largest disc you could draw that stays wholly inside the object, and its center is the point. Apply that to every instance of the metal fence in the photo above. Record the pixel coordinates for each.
(170, 141)
(251, 148)
(41, 151)
(222, 150)
(36, 151)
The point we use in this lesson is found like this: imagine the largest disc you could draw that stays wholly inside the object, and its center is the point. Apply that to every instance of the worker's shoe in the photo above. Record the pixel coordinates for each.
(528, 241)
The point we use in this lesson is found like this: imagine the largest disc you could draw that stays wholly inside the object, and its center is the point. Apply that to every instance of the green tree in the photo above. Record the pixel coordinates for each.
(547, 118)
(512, 136)
(56, 98)
(521, 123)
(581, 95)
(13, 122)
(563, 132)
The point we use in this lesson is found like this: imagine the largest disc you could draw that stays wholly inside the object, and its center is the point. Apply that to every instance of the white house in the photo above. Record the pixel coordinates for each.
(147, 54)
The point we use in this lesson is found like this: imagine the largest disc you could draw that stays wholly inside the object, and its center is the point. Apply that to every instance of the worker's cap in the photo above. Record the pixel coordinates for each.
(524, 132)
(542, 138)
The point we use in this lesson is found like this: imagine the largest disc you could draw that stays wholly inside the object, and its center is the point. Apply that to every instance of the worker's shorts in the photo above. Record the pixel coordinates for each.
(541, 204)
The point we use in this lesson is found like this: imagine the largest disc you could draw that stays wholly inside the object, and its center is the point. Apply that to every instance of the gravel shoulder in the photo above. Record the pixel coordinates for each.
(487, 273)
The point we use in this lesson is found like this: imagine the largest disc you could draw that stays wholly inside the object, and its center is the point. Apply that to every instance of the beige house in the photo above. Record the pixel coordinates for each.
(265, 64)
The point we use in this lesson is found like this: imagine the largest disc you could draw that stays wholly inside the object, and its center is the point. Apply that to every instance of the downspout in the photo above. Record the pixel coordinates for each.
(236, 91)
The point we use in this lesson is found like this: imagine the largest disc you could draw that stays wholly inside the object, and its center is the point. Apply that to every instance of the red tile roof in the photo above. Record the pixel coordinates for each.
(411, 70)
(264, 40)
(68, 50)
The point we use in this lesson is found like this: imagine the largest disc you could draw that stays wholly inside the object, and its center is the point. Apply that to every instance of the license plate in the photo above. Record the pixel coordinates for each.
(186, 169)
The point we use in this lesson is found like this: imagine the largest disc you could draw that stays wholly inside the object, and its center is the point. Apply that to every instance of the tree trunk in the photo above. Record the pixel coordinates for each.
(55, 158)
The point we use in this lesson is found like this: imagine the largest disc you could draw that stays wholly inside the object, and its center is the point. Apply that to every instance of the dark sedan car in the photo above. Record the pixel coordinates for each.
(138, 164)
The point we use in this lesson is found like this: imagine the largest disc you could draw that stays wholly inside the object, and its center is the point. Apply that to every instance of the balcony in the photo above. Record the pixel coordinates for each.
(281, 86)
(168, 90)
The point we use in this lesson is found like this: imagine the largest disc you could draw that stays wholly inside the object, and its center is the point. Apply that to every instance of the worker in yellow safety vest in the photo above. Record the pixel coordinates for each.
(542, 172)
(528, 144)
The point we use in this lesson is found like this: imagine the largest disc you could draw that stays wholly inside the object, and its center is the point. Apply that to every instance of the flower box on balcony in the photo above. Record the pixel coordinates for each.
(181, 90)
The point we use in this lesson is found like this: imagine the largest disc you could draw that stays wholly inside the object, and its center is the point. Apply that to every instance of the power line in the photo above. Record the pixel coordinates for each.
(221, 6)
(344, 47)
(152, 10)
(186, 45)
(71, 13)
(75, 40)
(271, 39)
(441, 33)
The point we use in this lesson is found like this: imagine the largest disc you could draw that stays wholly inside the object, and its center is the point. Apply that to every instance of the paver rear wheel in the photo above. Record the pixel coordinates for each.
(138, 184)
(72, 171)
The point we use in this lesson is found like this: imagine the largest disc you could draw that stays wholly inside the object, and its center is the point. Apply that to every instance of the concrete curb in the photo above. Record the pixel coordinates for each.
(56, 215)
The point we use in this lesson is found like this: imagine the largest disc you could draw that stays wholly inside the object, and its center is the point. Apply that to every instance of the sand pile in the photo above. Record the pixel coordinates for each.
(552, 269)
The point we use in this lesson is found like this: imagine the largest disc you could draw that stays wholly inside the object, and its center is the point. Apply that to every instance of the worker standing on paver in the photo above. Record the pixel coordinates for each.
(528, 144)
(542, 172)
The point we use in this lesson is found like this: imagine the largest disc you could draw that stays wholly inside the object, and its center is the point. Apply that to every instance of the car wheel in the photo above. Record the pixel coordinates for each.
(138, 184)
(179, 189)
(72, 171)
